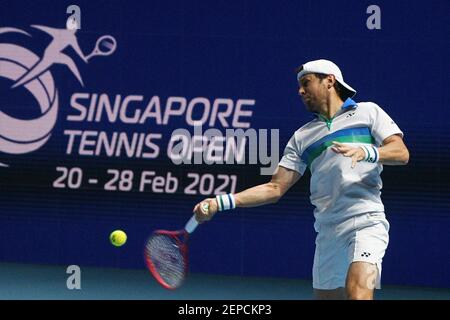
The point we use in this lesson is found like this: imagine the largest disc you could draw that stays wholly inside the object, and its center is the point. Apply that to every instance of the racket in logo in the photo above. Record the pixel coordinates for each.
(105, 46)
(25, 68)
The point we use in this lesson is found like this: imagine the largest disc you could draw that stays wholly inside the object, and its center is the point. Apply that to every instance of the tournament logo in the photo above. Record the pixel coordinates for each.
(25, 69)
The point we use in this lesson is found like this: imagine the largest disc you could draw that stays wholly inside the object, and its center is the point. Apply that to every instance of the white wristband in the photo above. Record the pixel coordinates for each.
(225, 202)
(371, 154)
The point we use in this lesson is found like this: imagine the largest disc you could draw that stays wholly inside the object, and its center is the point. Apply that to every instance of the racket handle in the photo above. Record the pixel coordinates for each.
(90, 56)
(191, 225)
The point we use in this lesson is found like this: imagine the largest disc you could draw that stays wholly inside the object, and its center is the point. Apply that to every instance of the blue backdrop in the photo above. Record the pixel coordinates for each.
(60, 200)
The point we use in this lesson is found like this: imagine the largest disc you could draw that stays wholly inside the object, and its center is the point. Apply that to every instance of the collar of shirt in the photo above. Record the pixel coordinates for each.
(348, 104)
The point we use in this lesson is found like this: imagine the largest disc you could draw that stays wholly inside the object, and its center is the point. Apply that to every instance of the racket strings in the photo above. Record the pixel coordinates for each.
(167, 258)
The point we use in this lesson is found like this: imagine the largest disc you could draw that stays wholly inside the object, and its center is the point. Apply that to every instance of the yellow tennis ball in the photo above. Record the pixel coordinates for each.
(118, 238)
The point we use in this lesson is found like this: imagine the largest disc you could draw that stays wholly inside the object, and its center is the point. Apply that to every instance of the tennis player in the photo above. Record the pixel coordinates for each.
(345, 147)
(53, 54)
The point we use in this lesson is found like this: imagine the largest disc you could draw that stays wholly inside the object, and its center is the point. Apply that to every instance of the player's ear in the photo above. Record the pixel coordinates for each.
(330, 79)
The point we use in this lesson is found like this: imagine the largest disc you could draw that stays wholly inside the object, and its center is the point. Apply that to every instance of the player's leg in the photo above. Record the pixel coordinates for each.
(361, 280)
(365, 252)
(336, 294)
(330, 266)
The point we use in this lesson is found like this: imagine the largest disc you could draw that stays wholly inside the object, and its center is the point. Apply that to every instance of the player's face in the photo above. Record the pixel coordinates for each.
(313, 92)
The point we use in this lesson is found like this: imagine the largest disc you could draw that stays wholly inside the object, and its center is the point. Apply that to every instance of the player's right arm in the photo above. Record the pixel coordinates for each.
(262, 194)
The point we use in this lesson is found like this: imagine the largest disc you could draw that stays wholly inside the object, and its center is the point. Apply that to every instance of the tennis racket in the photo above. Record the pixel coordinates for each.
(105, 46)
(166, 254)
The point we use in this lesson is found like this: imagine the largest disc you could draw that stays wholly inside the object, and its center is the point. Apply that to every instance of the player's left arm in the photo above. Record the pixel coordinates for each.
(385, 131)
(393, 151)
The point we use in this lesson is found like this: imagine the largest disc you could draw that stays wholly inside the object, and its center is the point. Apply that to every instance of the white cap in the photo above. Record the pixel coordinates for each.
(326, 67)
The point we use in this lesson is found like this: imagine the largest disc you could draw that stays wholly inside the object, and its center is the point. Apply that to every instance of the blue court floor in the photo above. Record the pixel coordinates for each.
(21, 281)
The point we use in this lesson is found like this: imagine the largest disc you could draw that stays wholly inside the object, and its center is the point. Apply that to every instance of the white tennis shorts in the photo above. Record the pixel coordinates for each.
(361, 238)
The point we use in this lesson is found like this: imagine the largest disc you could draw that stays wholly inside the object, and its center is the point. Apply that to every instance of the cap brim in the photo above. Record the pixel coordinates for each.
(350, 92)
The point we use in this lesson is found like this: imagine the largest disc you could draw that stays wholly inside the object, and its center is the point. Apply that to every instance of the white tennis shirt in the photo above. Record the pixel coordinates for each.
(339, 192)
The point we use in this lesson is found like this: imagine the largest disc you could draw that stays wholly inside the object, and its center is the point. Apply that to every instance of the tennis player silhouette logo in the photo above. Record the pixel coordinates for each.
(25, 68)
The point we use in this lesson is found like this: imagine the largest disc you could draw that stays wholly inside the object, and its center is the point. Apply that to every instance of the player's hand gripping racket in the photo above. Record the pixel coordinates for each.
(166, 254)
